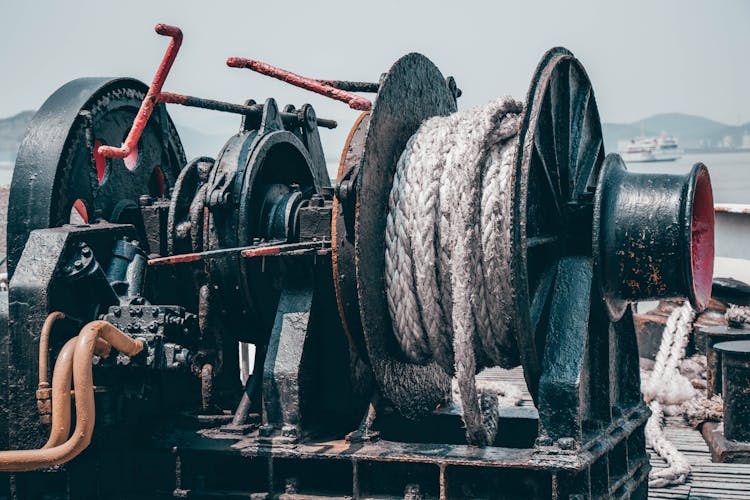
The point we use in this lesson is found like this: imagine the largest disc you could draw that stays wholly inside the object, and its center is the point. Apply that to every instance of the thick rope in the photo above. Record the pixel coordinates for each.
(670, 384)
(667, 386)
(737, 315)
(448, 250)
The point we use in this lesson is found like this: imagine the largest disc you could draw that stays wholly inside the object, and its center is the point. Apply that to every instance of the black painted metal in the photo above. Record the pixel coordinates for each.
(644, 235)
(252, 112)
(185, 222)
(735, 373)
(585, 439)
(36, 289)
(412, 91)
(55, 164)
(715, 335)
(560, 151)
(342, 234)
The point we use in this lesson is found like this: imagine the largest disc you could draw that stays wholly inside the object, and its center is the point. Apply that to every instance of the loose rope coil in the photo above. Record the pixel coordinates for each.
(667, 386)
(737, 315)
(448, 250)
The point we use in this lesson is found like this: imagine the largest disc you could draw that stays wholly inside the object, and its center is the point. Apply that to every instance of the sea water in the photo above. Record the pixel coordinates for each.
(730, 172)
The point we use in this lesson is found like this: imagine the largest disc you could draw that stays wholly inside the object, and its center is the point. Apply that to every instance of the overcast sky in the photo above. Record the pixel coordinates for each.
(644, 57)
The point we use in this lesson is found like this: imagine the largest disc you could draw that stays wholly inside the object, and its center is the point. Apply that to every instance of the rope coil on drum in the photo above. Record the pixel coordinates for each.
(448, 250)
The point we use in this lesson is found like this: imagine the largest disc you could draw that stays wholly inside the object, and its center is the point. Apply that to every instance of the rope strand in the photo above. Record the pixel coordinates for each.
(448, 251)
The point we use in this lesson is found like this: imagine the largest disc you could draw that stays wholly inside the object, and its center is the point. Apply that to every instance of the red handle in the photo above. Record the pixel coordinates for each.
(354, 101)
(147, 106)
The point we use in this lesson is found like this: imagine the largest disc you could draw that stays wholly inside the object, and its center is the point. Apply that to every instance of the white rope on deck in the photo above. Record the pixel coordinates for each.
(667, 386)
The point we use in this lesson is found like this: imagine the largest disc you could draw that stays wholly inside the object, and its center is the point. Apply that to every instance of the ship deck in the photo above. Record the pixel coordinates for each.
(707, 480)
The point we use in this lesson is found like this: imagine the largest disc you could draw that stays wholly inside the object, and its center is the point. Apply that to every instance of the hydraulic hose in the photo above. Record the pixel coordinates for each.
(83, 347)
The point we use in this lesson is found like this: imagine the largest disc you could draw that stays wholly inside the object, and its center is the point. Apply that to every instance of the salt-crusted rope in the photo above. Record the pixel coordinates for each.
(448, 250)
(667, 385)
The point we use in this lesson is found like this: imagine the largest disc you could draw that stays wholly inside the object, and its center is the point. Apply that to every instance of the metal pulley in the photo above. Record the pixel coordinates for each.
(261, 179)
(557, 177)
(59, 168)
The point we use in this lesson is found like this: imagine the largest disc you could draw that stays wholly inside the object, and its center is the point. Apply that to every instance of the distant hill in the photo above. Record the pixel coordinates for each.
(692, 132)
(12, 130)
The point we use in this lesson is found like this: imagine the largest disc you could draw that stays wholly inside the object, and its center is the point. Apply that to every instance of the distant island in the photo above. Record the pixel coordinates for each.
(694, 133)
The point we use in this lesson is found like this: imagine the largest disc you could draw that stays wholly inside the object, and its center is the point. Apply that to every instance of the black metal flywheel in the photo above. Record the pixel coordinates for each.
(58, 170)
(560, 154)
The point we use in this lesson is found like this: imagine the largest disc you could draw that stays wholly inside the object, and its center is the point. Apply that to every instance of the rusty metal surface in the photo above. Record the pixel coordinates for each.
(55, 165)
(735, 390)
(352, 86)
(342, 237)
(149, 101)
(412, 91)
(654, 234)
(319, 87)
(713, 336)
(724, 450)
(254, 111)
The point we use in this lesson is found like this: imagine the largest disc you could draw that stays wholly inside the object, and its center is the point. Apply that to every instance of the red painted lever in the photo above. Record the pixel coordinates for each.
(147, 106)
(319, 87)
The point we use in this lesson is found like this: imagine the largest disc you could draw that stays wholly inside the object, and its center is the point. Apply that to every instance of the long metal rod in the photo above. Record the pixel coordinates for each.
(352, 86)
(354, 101)
(248, 252)
(255, 110)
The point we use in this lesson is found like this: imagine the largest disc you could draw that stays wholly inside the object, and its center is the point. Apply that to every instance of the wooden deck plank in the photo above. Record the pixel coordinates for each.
(707, 479)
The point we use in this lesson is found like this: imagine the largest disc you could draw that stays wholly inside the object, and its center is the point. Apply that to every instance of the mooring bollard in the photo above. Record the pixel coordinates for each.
(715, 335)
(735, 371)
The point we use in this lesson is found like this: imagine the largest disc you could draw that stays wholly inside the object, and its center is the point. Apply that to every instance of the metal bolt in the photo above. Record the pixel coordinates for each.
(86, 251)
(316, 200)
(78, 264)
(566, 443)
(543, 441)
(145, 200)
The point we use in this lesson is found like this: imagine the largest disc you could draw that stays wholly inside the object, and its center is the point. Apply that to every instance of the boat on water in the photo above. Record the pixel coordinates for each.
(651, 149)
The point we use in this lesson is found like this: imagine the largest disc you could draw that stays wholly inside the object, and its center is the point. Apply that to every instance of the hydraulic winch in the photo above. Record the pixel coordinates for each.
(450, 318)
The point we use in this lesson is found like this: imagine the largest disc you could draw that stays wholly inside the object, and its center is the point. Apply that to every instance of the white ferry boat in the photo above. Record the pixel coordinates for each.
(647, 149)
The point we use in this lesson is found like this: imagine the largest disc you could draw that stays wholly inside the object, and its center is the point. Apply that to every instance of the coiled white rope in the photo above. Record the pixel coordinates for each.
(667, 386)
(448, 250)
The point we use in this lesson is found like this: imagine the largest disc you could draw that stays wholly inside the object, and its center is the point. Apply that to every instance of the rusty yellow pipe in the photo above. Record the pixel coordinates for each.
(62, 380)
(44, 346)
(84, 346)
(43, 390)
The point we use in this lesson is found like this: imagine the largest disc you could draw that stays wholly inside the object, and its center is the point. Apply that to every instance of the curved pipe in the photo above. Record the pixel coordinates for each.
(84, 346)
(62, 380)
(43, 392)
(44, 346)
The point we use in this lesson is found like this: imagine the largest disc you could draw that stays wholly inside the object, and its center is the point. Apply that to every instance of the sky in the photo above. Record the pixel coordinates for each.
(644, 57)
